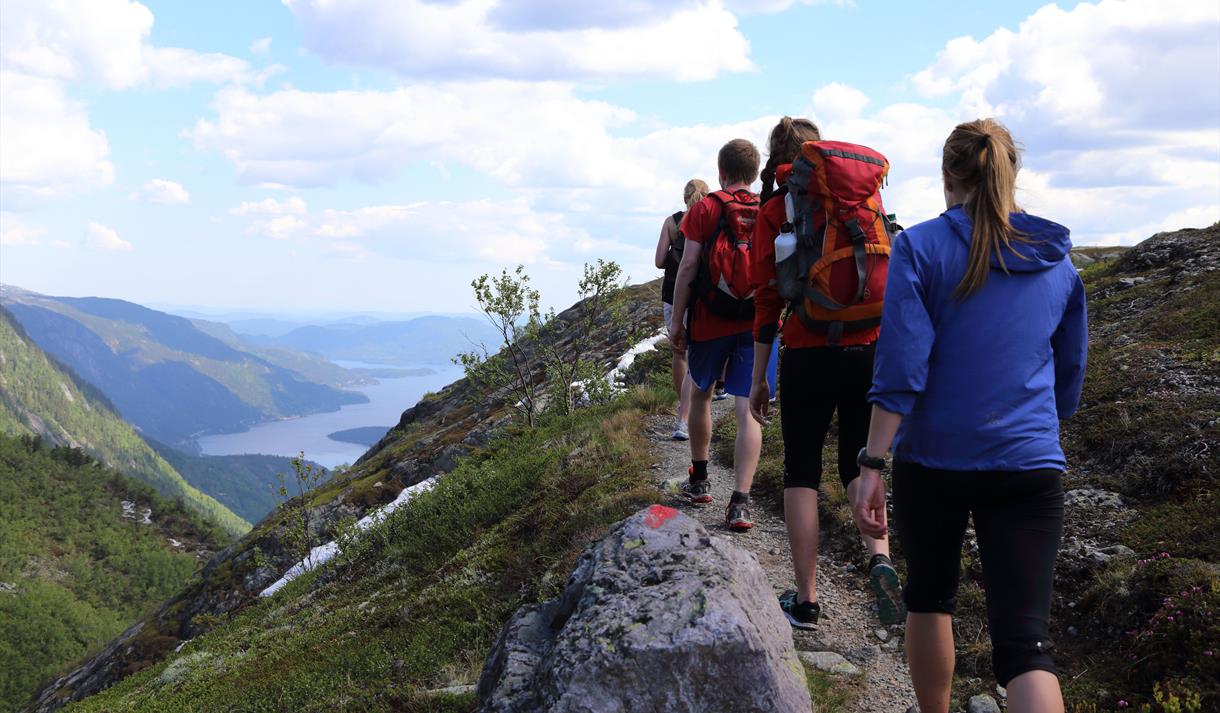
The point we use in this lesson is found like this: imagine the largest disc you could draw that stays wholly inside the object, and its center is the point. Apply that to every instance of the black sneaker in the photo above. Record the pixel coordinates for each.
(888, 590)
(698, 492)
(737, 516)
(801, 616)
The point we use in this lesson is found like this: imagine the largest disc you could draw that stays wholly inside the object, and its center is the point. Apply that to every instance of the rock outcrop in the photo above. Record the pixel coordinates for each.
(656, 616)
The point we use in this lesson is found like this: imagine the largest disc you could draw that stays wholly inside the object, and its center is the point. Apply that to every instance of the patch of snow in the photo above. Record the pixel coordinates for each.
(147, 519)
(324, 553)
(129, 509)
(626, 360)
(67, 393)
(174, 543)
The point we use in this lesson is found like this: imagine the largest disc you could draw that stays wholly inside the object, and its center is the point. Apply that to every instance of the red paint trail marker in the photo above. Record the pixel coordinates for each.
(658, 515)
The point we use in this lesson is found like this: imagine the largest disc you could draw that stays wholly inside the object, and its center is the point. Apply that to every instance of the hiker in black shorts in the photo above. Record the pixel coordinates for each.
(982, 351)
(668, 258)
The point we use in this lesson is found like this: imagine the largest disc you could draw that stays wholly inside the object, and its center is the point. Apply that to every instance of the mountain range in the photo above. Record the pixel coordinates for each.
(41, 397)
(423, 340)
(171, 378)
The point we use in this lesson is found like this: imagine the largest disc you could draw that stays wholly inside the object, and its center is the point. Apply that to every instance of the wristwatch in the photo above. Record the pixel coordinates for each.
(867, 461)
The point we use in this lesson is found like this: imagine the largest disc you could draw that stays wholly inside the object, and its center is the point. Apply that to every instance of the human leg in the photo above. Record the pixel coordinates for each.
(806, 407)
(1019, 522)
(931, 509)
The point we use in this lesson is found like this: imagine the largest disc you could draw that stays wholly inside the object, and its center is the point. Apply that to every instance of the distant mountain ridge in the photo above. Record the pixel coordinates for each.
(423, 340)
(165, 375)
(40, 397)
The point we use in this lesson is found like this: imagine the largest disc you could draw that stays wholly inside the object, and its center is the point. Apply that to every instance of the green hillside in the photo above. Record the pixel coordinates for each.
(40, 397)
(164, 375)
(246, 484)
(78, 563)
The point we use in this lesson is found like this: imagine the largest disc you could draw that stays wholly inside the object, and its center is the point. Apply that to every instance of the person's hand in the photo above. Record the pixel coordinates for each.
(677, 334)
(760, 401)
(867, 496)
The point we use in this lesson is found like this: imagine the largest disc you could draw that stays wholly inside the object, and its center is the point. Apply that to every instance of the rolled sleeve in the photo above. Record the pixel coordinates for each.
(1070, 344)
(900, 369)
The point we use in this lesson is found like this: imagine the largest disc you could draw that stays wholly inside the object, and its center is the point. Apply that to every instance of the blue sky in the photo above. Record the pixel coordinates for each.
(376, 155)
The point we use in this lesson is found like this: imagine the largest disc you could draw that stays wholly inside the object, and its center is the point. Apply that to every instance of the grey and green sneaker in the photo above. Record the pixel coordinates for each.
(801, 615)
(888, 590)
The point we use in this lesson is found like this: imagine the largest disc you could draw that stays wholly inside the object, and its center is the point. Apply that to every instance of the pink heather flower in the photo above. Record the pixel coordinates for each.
(1122, 703)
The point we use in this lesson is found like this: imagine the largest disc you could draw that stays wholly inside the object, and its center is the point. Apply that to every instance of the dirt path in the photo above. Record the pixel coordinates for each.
(848, 624)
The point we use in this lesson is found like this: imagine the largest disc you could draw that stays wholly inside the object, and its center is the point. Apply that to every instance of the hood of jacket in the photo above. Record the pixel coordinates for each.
(1048, 242)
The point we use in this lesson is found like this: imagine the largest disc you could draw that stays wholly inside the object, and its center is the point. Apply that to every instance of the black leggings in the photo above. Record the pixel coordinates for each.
(1018, 517)
(814, 382)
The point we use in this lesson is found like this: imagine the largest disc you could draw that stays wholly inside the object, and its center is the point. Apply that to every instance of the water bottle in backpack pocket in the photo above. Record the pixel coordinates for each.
(788, 275)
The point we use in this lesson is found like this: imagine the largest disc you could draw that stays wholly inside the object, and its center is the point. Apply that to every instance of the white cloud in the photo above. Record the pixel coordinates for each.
(102, 42)
(50, 148)
(160, 190)
(15, 231)
(260, 46)
(270, 206)
(103, 238)
(473, 39)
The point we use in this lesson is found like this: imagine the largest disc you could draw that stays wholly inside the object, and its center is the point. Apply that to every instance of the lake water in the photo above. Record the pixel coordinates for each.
(387, 400)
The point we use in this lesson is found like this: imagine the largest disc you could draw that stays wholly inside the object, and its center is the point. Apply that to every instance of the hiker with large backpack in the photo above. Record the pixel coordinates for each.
(821, 248)
(669, 256)
(713, 279)
(982, 352)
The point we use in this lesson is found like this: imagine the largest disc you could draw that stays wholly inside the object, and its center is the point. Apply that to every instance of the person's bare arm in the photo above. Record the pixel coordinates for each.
(868, 490)
(760, 390)
(663, 243)
(686, 275)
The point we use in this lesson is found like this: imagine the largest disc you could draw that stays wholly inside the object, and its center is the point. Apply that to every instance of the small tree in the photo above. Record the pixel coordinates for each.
(510, 305)
(570, 373)
(299, 538)
(543, 344)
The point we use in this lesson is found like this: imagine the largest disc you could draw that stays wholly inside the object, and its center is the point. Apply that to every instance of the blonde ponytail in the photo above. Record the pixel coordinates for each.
(981, 158)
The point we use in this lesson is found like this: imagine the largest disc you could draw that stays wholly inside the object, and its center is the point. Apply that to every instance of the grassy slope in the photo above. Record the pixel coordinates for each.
(38, 396)
(80, 571)
(417, 602)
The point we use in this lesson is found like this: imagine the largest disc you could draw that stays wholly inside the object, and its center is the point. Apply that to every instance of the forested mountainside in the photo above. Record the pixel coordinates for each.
(84, 551)
(491, 514)
(40, 397)
(423, 340)
(165, 376)
(246, 484)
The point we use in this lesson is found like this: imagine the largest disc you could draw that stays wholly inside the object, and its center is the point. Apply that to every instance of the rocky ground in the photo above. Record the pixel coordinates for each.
(866, 672)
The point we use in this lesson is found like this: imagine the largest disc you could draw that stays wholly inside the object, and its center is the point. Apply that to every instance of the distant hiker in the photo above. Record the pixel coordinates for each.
(982, 351)
(714, 274)
(827, 205)
(668, 258)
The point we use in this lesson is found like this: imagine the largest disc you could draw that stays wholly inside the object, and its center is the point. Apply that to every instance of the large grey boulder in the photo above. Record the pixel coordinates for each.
(657, 616)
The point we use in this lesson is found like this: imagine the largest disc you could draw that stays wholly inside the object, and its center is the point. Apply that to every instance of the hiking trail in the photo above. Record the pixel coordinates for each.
(848, 625)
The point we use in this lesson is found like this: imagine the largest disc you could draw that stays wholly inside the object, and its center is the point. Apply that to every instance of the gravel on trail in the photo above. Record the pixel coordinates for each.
(848, 624)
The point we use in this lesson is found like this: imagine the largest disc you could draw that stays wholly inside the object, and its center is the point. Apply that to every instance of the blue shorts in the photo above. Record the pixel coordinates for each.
(707, 360)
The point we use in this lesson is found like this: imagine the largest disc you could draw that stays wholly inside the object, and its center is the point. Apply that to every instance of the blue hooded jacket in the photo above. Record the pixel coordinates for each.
(981, 382)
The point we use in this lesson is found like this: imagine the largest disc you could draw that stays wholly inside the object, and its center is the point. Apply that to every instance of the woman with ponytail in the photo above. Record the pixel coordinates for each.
(817, 379)
(981, 353)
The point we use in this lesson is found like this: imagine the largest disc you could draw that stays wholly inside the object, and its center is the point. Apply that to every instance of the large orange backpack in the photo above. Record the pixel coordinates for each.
(723, 280)
(843, 236)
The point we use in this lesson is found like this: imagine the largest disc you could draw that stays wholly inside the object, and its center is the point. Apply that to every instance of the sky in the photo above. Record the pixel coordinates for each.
(377, 155)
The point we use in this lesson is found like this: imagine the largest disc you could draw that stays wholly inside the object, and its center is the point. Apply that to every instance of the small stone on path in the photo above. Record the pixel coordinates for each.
(882, 634)
(830, 662)
(982, 704)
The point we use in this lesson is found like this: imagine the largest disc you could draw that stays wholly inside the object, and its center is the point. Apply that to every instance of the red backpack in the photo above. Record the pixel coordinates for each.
(842, 236)
(723, 281)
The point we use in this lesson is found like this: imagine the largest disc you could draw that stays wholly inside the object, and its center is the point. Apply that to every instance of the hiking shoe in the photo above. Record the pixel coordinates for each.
(888, 590)
(801, 616)
(680, 432)
(720, 394)
(737, 516)
(698, 492)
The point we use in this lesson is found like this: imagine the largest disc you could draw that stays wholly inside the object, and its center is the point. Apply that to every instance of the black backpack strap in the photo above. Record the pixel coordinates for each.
(858, 240)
